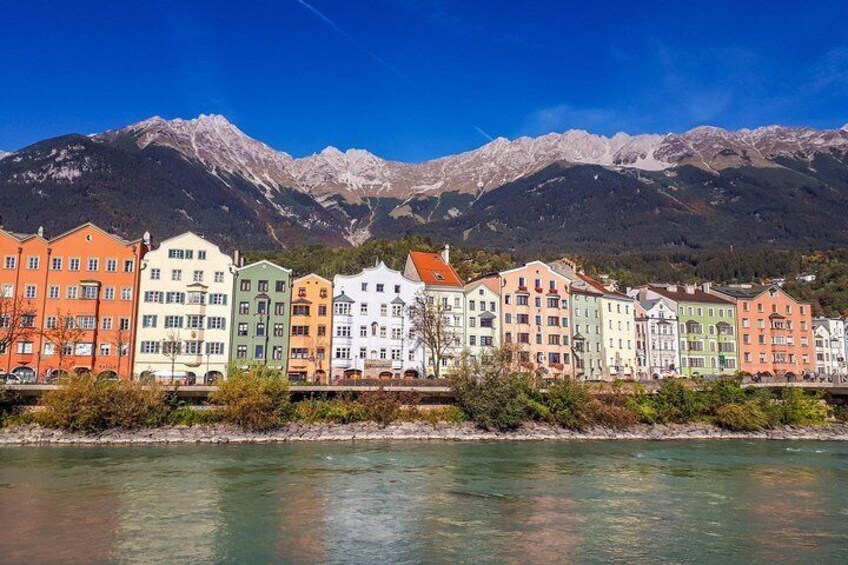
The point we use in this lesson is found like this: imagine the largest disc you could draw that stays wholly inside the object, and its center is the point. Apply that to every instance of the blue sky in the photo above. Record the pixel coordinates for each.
(416, 79)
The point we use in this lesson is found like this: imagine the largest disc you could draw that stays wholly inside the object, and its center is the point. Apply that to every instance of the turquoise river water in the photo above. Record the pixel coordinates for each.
(591, 502)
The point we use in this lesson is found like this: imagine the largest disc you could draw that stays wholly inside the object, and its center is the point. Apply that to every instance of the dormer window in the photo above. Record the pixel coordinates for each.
(439, 276)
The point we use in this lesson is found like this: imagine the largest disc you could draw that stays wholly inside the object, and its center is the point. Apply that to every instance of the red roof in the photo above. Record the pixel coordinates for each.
(598, 285)
(433, 270)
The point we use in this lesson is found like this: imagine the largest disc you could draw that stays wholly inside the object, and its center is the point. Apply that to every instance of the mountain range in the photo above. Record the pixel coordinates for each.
(705, 188)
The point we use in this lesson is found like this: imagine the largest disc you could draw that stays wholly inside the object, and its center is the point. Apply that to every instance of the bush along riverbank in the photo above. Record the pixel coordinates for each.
(494, 400)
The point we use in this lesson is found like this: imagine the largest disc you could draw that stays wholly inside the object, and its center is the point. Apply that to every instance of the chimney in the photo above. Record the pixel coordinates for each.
(672, 288)
(146, 239)
(40, 231)
(707, 287)
(690, 289)
(236, 258)
(446, 254)
(643, 294)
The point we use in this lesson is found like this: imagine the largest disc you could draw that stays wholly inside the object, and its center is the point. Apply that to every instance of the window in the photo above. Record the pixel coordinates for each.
(30, 291)
(176, 274)
(74, 264)
(380, 287)
(279, 329)
(341, 309)
(244, 285)
(279, 309)
(300, 331)
(155, 274)
(56, 264)
(174, 298)
(106, 323)
(397, 310)
(148, 321)
(242, 329)
(384, 309)
(214, 348)
(259, 352)
(280, 286)
(105, 349)
(342, 331)
(260, 329)
(364, 287)
(218, 299)
(126, 293)
(149, 347)
(197, 276)
(111, 265)
(219, 276)
(86, 322)
(194, 322)
(153, 296)
(300, 310)
(89, 292)
(342, 353)
(50, 322)
(109, 293)
(129, 266)
(262, 286)
(299, 353)
(11, 262)
(196, 298)
(216, 323)
(244, 308)
(32, 263)
(93, 265)
(241, 352)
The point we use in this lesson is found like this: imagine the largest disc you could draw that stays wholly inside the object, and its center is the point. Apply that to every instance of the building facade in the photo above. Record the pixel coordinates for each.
(774, 330)
(261, 316)
(310, 339)
(657, 352)
(537, 318)
(834, 348)
(444, 288)
(185, 311)
(706, 327)
(372, 328)
(81, 288)
(482, 316)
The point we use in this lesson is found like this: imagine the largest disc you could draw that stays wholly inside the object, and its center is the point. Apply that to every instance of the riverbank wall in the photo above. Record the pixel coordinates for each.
(292, 433)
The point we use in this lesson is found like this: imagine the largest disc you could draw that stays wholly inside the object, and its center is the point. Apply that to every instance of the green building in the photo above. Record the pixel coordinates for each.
(707, 329)
(261, 310)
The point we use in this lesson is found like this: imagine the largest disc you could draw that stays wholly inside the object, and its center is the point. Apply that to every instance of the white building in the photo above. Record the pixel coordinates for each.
(832, 345)
(184, 313)
(658, 352)
(371, 326)
(442, 286)
(482, 316)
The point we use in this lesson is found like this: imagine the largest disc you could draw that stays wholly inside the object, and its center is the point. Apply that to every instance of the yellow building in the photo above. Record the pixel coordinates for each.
(310, 331)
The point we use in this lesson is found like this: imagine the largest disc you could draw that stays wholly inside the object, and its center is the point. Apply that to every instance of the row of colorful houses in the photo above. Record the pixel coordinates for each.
(187, 309)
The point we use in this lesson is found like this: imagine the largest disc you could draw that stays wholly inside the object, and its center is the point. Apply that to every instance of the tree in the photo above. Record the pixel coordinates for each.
(17, 321)
(431, 327)
(63, 334)
(122, 344)
(172, 347)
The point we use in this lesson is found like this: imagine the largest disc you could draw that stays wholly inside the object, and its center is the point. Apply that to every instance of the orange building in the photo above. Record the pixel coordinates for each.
(775, 330)
(536, 317)
(310, 329)
(86, 277)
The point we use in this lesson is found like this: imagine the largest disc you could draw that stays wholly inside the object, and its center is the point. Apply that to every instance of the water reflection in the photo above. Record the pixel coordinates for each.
(682, 502)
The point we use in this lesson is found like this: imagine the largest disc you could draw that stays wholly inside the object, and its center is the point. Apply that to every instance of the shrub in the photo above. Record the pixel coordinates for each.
(747, 417)
(384, 407)
(256, 399)
(448, 414)
(568, 402)
(610, 414)
(673, 403)
(337, 411)
(189, 416)
(722, 392)
(841, 413)
(801, 409)
(492, 392)
(87, 404)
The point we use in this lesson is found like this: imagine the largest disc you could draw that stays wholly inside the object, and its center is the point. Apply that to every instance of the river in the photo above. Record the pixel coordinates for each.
(590, 502)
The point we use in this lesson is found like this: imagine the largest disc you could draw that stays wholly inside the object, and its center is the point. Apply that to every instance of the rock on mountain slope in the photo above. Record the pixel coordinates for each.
(702, 187)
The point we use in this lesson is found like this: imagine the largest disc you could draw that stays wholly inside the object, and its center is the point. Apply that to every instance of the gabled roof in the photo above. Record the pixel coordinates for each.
(598, 286)
(398, 300)
(433, 270)
(97, 228)
(343, 298)
(312, 276)
(487, 316)
(680, 295)
(265, 262)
